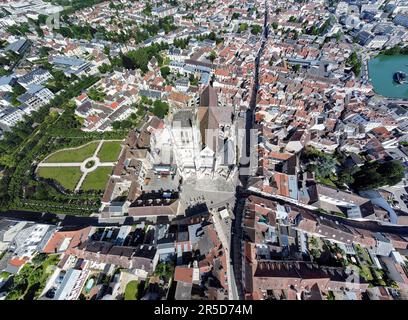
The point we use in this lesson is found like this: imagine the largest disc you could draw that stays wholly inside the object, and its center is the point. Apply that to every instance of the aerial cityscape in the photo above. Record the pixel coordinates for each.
(203, 150)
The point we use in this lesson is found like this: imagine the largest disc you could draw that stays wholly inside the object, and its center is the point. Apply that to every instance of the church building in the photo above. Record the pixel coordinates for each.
(199, 140)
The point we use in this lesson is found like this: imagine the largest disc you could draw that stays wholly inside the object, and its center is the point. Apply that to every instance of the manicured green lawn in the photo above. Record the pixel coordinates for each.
(109, 151)
(131, 290)
(96, 180)
(76, 155)
(67, 177)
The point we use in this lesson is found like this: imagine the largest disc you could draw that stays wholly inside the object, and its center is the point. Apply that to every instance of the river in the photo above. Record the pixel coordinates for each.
(381, 70)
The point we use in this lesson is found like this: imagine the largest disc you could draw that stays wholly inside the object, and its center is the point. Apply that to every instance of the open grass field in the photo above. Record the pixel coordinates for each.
(131, 290)
(96, 180)
(67, 177)
(73, 155)
(109, 151)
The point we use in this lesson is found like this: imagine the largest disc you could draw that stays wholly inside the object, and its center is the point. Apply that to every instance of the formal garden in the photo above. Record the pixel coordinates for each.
(55, 126)
(85, 168)
(43, 134)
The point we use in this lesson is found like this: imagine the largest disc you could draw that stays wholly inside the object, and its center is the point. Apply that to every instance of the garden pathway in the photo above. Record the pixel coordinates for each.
(82, 165)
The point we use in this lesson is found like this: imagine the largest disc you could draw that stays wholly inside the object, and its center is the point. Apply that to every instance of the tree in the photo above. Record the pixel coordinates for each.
(164, 270)
(165, 71)
(242, 27)
(104, 68)
(325, 167)
(326, 25)
(354, 62)
(322, 164)
(3, 72)
(235, 15)
(256, 29)
(44, 51)
(212, 56)
(39, 259)
(296, 67)
(330, 296)
(373, 175)
(39, 31)
(160, 109)
(18, 90)
(396, 50)
(166, 24)
(147, 10)
(193, 80)
(212, 36)
(19, 30)
(274, 25)
(337, 36)
(139, 59)
(3, 44)
(146, 100)
(96, 95)
(181, 43)
(346, 176)
(393, 171)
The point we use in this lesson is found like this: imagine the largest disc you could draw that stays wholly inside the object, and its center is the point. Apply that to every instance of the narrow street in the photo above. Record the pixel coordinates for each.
(236, 251)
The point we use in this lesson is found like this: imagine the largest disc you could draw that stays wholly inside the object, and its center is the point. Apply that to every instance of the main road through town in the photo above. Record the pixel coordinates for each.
(246, 170)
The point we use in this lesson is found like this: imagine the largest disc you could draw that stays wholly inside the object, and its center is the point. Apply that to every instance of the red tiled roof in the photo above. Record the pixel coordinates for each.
(78, 236)
(183, 274)
(279, 155)
(17, 262)
(82, 97)
(93, 118)
(282, 184)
